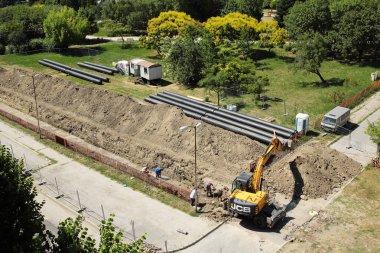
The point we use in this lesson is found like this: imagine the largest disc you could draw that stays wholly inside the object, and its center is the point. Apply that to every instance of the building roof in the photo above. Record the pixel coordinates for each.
(136, 61)
(148, 64)
(337, 112)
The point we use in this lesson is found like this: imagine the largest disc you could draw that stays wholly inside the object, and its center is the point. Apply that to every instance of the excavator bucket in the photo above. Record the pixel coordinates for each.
(277, 214)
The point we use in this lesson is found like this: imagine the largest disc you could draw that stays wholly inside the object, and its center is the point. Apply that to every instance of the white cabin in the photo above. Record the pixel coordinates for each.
(150, 71)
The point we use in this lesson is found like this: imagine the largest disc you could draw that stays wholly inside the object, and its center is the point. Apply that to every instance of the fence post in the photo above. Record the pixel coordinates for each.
(59, 195)
(133, 230)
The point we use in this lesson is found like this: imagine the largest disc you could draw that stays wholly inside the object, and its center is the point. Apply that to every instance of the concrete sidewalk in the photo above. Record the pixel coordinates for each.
(358, 144)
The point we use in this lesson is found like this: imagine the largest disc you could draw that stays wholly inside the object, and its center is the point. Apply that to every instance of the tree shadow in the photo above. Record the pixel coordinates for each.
(262, 66)
(374, 63)
(286, 59)
(261, 54)
(80, 52)
(328, 83)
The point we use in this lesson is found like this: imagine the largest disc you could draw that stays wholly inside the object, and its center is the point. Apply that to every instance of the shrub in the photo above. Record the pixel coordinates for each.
(36, 44)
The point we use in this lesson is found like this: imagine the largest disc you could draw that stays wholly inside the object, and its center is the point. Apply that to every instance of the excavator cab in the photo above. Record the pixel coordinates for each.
(243, 182)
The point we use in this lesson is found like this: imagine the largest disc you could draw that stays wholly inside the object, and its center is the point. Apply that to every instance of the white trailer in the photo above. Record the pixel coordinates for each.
(150, 71)
(335, 119)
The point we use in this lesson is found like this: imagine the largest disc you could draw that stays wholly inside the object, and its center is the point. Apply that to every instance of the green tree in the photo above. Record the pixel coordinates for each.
(311, 52)
(189, 54)
(249, 7)
(200, 10)
(165, 27)
(283, 7)
(356, 28)
(231, 26)
(65, 27)
(73, 237)
(309, 16)
(21, 223)
(373, 131)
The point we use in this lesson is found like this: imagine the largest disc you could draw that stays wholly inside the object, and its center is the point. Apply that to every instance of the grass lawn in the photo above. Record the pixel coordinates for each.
(295, 91)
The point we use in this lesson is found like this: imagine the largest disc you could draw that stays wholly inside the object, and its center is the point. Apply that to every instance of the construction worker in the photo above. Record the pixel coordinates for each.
(209, 189)
(193, 195)
(158, 171)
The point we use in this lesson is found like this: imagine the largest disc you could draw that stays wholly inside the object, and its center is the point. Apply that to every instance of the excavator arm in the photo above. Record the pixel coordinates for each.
(276, 144)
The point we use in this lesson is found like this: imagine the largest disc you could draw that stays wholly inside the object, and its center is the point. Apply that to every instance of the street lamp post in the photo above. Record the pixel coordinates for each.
(195, 161)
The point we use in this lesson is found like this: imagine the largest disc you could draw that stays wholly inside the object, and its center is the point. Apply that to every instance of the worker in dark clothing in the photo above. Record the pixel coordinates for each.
(158, 171)
(209, 189)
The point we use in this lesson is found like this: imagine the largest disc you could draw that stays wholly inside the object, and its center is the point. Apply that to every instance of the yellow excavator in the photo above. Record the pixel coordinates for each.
(247, 198)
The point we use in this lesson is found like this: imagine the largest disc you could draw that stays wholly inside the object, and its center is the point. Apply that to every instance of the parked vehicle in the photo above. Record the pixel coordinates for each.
(335, 119)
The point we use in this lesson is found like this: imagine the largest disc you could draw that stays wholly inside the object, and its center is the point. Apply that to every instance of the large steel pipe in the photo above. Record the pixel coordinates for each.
(101, 66)
(104, 79)
(215, 110)
(170, 102)
(214, 120)
(200, 107)
(69, 72)
(284, 131)
(237, 130)
(105, 71)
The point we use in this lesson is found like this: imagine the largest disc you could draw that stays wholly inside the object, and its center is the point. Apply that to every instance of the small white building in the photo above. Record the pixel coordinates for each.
(145, 69)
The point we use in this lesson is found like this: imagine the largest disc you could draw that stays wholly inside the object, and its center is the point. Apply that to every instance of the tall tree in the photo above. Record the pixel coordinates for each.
(311, 52)
(200, 10)
(165, 27)
(249, 7)
(283, 7)
(189, 54)
(21, 223)
(231, 26)
(65, 27)
(356, 28)
(309, 16)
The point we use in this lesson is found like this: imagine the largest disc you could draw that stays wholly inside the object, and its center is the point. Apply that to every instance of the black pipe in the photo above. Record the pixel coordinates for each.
(101, 66)
(237, 130)
(104, 79)
(285, 132)
(215, 110)
(72, 73)
(153, 101)
(105, 71)
(188, 108)
(200, 107)
(205, 117)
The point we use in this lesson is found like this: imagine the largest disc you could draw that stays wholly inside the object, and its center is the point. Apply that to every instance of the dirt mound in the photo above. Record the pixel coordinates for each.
(144, 134)
(313, 170)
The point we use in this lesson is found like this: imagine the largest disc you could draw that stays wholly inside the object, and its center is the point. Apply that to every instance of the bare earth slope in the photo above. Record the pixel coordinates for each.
(149, 134)
(313, 170)
(144, 134)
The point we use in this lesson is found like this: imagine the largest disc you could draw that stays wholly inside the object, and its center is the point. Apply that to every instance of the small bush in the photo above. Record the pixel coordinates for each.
(337, 97)
(36, 44)
(2, 49)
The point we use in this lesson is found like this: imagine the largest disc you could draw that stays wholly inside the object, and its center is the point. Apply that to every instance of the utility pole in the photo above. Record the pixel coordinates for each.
(35, 101)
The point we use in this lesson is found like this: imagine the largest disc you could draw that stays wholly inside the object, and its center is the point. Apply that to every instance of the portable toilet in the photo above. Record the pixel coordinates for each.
(302, 123)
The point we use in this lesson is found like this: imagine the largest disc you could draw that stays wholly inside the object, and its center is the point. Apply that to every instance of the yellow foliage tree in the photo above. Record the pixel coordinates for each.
(231, 26)
(164, 27)
(271, 34)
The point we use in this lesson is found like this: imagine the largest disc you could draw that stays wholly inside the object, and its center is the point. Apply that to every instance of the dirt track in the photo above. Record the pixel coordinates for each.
(149, 135)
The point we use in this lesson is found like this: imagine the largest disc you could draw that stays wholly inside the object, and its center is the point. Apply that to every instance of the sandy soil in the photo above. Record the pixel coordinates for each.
(150, 135)
(311, 171)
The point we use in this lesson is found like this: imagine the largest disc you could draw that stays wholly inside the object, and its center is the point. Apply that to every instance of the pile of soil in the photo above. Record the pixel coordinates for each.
(144, 134)
(312, 170)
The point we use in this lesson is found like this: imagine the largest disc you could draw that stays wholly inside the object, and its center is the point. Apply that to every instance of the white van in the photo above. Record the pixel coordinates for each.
(335, 119)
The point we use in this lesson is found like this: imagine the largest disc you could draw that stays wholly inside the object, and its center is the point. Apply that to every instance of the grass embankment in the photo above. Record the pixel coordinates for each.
(110, 172)
(353, 223)
(290, 90)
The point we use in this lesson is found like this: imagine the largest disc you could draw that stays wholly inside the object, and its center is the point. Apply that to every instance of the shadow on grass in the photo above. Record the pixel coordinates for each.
(374, 63)
(286, 59)
(80, 52)
(261, 54)
(328, 83)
